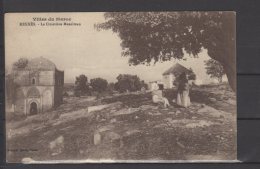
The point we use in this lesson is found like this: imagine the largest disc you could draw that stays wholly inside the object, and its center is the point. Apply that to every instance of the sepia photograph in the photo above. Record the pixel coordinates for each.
(127, 87)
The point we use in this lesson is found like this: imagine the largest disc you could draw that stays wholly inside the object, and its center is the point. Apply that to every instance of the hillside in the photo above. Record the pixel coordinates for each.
(129, 126)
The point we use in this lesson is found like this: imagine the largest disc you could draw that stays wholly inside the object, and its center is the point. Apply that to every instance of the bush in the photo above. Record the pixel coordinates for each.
(129, 83)
(99, 84)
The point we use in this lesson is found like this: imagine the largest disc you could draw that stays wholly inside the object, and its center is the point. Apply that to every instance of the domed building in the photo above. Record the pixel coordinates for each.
(38, 86)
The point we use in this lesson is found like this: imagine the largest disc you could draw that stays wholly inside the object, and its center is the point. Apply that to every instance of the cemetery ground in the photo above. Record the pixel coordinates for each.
(129, 127)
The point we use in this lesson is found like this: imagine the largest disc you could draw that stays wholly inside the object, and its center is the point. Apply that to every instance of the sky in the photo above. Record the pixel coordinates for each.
(80, 49)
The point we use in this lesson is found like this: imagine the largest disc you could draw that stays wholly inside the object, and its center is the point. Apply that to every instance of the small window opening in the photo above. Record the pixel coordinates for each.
(33, 81)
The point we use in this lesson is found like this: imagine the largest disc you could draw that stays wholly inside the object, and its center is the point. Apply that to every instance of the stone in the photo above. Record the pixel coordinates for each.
(97, 138)
(145, 107)
(111, 136)
(212, 99)
(113, 120)
(171, 112)
(161, 125)
(231, 101)
(155, 114)
(104, 106)
(201, 123)
(225, 98)
(56, 146)
(180, 144)
(105, 128)
(55, 116)
(178, 112)
(102, 120)
(202, 105)
(132, 132)
(168, 119)
(97, 117)
(125, 111)
(211, 111)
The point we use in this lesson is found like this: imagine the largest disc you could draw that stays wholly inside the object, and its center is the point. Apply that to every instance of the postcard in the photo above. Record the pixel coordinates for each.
(102, 87)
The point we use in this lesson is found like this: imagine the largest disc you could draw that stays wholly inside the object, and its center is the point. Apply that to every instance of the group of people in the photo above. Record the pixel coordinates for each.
(183, 93)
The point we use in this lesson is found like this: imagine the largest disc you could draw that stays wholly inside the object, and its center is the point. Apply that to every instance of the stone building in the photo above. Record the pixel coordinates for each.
(172, 73)
(38, 86)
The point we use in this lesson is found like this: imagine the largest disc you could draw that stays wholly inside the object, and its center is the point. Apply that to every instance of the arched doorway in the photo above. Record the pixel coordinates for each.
(33, 108)
(33, 98)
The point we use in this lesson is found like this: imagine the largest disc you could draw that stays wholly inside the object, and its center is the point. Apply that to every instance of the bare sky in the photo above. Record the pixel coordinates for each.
(80, 49)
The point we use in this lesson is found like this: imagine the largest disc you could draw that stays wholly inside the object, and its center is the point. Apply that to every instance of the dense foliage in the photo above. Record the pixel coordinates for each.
(126, 82)
(150, 37)
(215, 69)
(99, 84)
(21, 63)
(81, 85)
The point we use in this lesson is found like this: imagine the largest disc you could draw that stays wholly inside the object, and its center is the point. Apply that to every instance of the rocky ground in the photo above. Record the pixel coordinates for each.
(129, 127)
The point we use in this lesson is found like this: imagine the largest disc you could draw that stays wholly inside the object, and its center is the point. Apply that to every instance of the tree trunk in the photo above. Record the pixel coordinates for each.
(228, 49)
(230, 61)
(231, 75)
(229, 65)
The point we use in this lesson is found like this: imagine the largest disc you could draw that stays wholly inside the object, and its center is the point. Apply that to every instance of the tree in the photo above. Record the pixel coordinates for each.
(126, 82)
(81, 85)
(214, 69)
(148, 37)
(111, 87)
(191, 75)
(99, 84)
(21, 63)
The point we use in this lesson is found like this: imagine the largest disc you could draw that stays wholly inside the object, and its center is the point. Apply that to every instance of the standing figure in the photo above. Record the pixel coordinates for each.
(183, 95)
